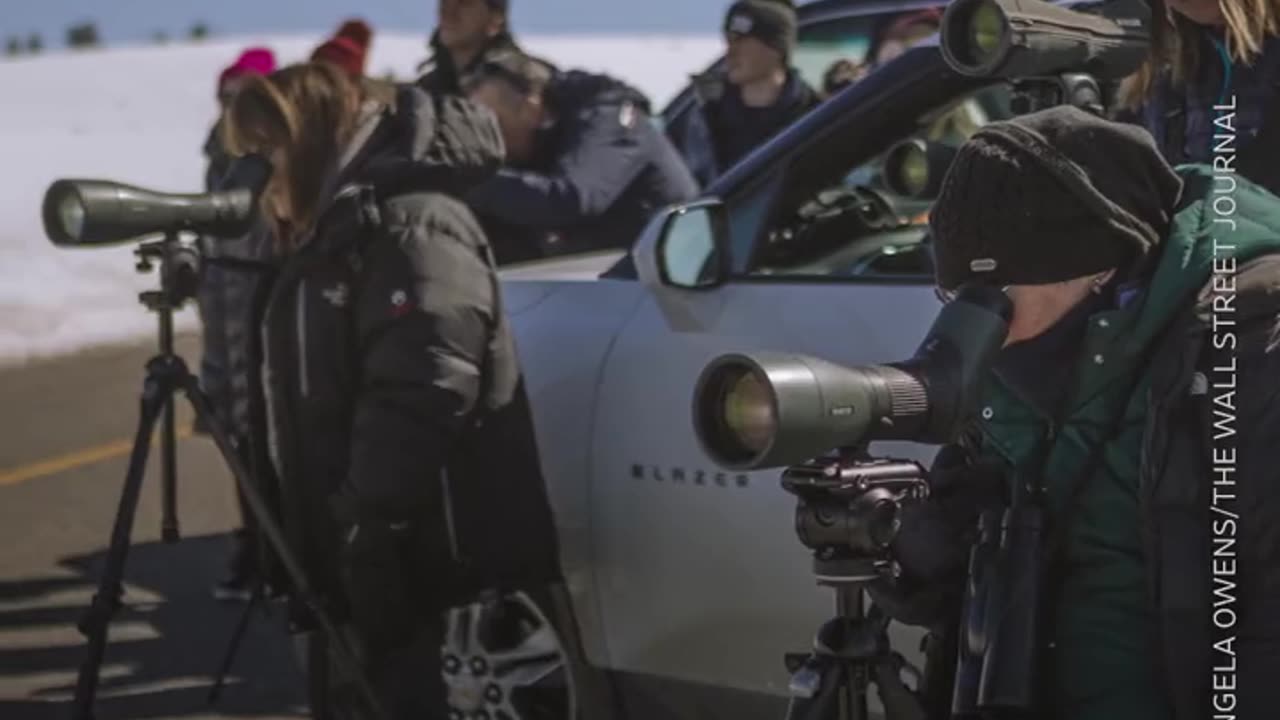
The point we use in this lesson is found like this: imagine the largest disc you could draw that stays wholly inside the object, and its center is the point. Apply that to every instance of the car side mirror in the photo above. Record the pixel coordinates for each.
(686, 247)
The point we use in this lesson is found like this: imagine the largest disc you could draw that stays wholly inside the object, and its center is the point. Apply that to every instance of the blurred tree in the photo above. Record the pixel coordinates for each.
(34, 43)
(199, 31)
(13, 46)
(160, 37)
(83, 35)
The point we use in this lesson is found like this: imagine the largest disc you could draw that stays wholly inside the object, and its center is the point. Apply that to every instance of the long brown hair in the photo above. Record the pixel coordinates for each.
(1176, 44)
(308, 113)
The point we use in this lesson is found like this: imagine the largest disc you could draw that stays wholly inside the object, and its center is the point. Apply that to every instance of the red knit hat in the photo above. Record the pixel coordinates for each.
(348, 48)
(254, 61)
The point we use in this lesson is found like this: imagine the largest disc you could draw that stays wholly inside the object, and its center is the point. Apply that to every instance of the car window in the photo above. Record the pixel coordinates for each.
(822, 44)
(819, 45)
(854, 226)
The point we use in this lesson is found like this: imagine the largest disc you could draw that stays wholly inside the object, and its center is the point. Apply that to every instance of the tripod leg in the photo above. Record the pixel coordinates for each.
(234, 647)
(275, 536)
(899, 702)
(169, 476)
(107, 599)
(825, 704)
(854, 700)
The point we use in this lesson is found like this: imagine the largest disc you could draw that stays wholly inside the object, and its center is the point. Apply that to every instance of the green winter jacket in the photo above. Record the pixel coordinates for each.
(1103, 664)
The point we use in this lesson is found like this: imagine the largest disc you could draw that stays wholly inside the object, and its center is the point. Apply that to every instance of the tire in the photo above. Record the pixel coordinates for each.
(502, 659)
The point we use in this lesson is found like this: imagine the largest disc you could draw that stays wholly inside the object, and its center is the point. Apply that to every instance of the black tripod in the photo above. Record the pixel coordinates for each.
(850, 652)
(167, 373)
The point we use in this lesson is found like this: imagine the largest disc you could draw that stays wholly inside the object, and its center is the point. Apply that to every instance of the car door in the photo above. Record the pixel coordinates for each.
(700, 575)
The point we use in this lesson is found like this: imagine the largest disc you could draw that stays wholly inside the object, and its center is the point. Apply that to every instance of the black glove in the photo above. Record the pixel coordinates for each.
(372, 567)
(934, 538)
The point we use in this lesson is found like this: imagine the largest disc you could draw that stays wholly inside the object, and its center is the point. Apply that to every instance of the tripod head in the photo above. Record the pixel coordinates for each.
(180, 272)
(848, 512)
(1032, 94)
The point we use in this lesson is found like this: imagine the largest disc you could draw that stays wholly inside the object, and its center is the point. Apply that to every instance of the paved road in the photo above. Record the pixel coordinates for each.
(65, 428)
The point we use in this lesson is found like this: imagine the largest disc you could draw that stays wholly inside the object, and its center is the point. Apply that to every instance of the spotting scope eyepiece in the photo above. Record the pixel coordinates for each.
(763, 410)
(102, 212)
(1028, 38)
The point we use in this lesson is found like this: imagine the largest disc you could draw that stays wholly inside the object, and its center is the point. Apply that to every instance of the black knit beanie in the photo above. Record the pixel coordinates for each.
(772, 22)
(1051, 196)
(502, 6)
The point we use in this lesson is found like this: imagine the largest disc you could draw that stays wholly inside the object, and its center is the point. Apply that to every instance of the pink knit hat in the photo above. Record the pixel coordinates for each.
(254, 61)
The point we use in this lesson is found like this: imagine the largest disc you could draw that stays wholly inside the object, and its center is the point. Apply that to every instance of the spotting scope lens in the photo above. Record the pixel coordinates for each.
(908, 167)
(976, 34)
(71, 216)
(741, 415)
(748, 409)
(986, 28)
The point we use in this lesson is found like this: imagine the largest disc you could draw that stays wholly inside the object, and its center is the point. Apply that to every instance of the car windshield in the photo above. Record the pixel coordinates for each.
(859, 224)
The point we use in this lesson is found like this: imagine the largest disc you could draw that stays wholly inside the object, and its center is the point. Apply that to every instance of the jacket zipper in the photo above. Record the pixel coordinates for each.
(301, 317)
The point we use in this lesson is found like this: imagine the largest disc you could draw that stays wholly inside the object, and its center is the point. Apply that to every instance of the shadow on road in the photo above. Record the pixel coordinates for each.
(164, 647)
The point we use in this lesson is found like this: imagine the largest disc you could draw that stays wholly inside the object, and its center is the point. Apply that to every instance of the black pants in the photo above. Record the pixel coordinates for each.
(407, 681)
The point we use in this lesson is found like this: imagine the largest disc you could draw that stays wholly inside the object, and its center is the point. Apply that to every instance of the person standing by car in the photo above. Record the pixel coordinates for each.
(756, 94)
(1211, 59)
(586, 166)
(468, 33)
(399, 424)
(226, 301)
(1100, 406)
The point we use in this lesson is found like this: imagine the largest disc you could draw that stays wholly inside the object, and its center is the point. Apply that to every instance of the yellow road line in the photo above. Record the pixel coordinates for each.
(77, 458)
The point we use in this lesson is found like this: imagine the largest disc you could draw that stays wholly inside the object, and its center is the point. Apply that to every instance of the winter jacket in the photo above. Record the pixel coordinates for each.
(1182, 118)
(1129, 625)
(602, 169)
(229, 300)
(441, 77)
(722, 129)
(391, 376)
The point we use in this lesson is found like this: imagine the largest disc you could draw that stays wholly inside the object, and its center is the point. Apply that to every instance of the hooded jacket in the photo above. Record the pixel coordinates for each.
(722, 129)
(391, 376)
(602, 169)
(1130, 629)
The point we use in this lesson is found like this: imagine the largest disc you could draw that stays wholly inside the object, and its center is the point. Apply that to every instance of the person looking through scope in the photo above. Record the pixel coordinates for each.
(1099, 435)
(390, 370)
(1212, 60)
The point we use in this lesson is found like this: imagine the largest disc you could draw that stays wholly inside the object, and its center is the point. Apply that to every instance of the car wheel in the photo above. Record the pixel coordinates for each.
(503, 659)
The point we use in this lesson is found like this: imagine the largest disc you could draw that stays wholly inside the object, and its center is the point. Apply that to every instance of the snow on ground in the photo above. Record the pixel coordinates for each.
(140, 115)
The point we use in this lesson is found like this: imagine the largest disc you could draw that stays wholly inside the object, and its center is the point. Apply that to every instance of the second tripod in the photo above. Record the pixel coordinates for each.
(166, 375)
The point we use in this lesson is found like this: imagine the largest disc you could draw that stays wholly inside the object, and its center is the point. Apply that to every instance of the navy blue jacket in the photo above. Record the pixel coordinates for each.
(1246, 93)
(602, 170)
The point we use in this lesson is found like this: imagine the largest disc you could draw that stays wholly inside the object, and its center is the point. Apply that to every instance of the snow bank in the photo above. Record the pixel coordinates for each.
(140, 115)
